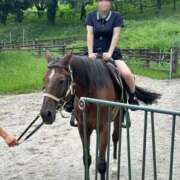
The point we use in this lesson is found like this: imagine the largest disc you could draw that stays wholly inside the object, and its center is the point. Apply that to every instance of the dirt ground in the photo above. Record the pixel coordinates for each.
(55, 152)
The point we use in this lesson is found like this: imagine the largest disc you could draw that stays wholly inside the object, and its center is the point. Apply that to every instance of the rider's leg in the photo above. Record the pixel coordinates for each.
(129, 79)
(126, 74)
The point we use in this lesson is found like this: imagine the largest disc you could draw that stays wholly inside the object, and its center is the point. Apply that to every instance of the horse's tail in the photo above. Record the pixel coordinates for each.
(146, 96)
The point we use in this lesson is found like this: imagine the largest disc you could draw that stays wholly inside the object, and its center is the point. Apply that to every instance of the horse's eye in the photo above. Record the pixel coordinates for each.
(61, 81)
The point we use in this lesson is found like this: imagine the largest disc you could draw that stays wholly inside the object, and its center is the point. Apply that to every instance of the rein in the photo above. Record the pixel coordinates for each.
(26, 130)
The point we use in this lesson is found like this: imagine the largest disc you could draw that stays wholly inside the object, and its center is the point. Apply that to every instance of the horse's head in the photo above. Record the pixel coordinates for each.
(56, 83)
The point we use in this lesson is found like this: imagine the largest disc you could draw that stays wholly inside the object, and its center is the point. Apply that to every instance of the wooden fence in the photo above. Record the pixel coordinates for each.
(62, 46)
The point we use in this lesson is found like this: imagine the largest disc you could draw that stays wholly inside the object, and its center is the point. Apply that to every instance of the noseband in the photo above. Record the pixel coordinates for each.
(52, 97)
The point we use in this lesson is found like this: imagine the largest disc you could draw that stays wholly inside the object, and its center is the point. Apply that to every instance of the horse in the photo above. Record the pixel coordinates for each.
(85, 78)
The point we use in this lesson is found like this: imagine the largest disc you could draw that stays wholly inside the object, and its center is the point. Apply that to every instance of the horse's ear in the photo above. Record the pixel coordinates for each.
(68, 57)
(48, 56)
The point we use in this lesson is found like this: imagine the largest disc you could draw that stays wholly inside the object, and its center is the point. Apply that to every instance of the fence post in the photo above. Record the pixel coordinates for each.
(10, 37)
(174, 61)
(63, 49)
(170, 66)
(39, 49)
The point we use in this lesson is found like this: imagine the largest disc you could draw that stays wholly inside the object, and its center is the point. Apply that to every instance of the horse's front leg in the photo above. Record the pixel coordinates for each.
(102, 153)
(89, 132)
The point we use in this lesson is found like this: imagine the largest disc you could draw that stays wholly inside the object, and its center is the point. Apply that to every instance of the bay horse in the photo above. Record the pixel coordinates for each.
(87, 78)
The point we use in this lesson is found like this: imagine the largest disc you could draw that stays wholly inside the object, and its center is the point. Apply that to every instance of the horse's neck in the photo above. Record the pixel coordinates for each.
(98, 83)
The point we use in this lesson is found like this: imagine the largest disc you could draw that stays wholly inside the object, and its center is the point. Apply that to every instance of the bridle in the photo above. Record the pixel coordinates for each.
(61, 102)
(70, 85)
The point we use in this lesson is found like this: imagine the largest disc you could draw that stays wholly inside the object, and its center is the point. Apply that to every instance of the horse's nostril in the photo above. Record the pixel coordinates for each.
(49, 114)
(47, 117)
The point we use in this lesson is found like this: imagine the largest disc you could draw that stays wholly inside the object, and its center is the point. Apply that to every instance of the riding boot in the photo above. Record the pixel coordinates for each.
(133, 99)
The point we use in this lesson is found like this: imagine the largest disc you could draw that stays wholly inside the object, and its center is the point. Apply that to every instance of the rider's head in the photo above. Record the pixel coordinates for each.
(104, 5)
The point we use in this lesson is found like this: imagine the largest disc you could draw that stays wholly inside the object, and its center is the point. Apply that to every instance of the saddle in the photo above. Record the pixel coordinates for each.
(118, 81)
(120, 87)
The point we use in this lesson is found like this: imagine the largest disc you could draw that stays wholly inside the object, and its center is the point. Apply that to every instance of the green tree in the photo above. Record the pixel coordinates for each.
(41, 6)
(16, 7)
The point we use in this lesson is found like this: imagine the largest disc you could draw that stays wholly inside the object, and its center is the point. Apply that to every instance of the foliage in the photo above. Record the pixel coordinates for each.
(78, 7)
(14, 7)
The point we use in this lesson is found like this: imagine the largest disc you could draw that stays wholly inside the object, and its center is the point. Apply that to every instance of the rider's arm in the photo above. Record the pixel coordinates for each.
(115, 39)
(117, 26)
(90, 38)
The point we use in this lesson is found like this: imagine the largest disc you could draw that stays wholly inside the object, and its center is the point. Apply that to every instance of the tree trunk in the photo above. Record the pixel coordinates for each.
(51, 11)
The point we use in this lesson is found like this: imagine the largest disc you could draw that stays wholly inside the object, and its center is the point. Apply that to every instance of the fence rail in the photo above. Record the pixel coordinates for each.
(147, 110)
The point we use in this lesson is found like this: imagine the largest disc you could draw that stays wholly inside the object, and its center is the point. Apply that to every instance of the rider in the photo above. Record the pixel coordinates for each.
(103, 31)
(8, 137)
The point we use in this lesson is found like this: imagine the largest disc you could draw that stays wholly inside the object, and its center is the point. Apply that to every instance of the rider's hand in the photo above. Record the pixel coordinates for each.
(107, 56)
(10, 140)
(92, 56)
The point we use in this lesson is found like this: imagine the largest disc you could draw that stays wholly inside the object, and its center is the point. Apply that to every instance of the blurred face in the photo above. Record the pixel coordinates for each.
(104, 5)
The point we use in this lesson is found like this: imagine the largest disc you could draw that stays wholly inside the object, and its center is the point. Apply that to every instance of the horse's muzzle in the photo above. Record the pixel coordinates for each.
(48, 116)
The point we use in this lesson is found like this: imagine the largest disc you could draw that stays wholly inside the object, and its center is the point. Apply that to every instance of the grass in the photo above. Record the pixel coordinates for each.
(20, 72)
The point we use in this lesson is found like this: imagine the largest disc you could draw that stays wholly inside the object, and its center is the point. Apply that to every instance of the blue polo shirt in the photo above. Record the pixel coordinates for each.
(103, 28)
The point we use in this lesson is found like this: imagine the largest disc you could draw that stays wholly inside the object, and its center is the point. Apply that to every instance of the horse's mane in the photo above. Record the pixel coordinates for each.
(89, 74)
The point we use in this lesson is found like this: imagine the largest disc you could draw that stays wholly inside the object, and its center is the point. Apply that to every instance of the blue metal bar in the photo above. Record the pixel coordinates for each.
(109, 140)
(153, 146)
(144, 146)
(118, 104)
(120, 138)
(128, 143)
(85, 145)
(172, 147)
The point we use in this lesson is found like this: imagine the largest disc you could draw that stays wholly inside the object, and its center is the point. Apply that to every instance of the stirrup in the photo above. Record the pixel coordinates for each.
(124, 125)
(133, 101)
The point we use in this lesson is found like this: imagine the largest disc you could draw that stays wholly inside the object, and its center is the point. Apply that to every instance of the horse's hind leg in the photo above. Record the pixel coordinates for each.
(102, 152)
(115, 137)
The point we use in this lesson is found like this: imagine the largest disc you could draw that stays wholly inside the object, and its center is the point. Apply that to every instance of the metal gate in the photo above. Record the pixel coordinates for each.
(148, 111)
